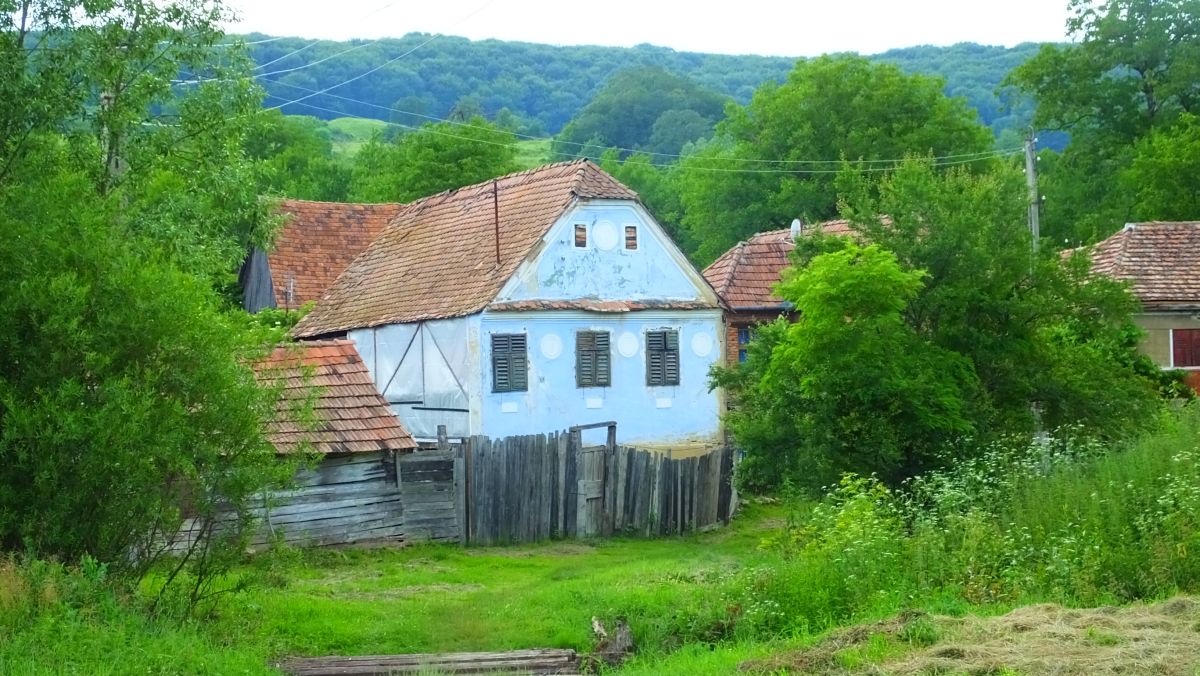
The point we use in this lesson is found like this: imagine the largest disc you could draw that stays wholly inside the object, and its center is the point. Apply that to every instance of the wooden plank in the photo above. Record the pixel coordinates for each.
(571, 485)
(543, 661)
(560, 510)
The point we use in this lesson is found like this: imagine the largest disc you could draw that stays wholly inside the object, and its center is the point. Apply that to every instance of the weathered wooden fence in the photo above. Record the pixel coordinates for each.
(537, 487)
(427, 489)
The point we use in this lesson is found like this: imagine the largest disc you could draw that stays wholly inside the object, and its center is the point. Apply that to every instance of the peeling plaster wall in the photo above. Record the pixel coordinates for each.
(605, 269)
(683, 415)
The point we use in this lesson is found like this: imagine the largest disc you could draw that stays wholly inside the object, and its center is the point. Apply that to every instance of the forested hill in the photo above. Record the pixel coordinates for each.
(545, 86)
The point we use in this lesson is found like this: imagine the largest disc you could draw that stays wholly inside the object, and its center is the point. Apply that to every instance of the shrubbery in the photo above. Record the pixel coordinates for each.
(1061, 519)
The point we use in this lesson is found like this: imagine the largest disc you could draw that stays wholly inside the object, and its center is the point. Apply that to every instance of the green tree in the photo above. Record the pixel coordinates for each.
(431, 159)
(850, 386)
(758, 173)
(1131, 73)
(627, 112)
(127, 202)
(125, 400)
(1162, 174)
(295, 155)
(1006, 331)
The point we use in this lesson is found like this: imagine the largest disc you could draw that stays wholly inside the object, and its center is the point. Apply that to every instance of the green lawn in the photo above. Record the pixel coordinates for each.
(445, 598)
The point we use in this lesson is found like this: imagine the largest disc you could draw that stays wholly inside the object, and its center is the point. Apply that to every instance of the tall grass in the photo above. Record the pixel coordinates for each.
(1060, 519)
(56, 619)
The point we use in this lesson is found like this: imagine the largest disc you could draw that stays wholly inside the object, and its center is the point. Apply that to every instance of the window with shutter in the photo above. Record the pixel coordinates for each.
(662, 358)
(510, 366)
(593, 359)
(1185, 348)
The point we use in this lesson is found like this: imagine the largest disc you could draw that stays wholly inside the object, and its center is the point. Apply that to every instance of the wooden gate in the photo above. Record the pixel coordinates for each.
(592, 464)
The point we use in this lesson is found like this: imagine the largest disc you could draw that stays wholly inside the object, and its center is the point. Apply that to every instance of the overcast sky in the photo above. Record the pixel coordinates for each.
(770, 27)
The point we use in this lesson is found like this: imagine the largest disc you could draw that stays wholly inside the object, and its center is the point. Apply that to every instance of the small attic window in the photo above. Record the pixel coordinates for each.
(631, 237)
(581, 235)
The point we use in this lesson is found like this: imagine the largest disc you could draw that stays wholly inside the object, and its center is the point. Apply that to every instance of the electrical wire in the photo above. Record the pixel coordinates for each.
(389, 61)
(670, 156)
(942, 161)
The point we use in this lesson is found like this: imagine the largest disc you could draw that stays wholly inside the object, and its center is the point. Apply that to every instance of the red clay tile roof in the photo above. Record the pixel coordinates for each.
(437, 258)
(1161, 259)
(744, 276)
(596, 305)
(318, 240)
(351, 415)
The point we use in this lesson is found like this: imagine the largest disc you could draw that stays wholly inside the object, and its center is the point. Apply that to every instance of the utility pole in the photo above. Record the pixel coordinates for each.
(1031, 179)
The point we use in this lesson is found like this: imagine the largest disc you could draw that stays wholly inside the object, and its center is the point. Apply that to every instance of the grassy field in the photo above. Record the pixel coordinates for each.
(868, 580)
(534, 153)
(444, 598)
(416, 599)
(349, 133)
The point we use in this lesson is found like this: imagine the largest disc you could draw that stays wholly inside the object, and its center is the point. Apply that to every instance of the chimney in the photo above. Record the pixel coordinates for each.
(797, 228)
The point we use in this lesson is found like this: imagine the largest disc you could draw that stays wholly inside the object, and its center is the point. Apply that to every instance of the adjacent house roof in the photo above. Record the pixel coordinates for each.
(351, 415)
(438, 256)
(745, 275)
(318, 240)
(1160, 259)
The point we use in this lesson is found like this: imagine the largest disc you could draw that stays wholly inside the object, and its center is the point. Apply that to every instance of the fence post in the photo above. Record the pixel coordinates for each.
(443, 442)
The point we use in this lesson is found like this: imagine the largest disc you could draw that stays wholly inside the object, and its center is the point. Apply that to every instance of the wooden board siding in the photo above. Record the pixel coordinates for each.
(344, 499)
(430, 502)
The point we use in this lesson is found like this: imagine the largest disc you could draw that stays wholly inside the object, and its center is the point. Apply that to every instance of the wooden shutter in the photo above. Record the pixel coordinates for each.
(1186, 347)
(509, 363)
(662, 358)
(593, 359)
(671, 359)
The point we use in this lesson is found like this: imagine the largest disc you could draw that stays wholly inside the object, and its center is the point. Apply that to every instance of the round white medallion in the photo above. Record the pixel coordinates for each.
(604, 233)
(702, 344)
(627, 344)
(551, 346)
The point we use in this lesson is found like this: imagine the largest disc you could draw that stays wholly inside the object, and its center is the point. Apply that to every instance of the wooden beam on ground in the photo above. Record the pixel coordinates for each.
(536, 661)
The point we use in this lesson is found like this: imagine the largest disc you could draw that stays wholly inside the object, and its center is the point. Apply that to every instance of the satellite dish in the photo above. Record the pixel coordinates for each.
(797, 227)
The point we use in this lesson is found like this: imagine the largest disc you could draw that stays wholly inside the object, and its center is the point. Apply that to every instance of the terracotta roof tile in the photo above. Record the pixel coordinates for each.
(437, 258)
(318, 240)
(351, 415)
(745, 275)
(1160, 259)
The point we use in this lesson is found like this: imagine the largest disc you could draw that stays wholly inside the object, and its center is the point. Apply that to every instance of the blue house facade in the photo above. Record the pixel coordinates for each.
(542, 300)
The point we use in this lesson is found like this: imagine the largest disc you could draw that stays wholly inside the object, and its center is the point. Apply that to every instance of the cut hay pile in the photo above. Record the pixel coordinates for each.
(1162, 638)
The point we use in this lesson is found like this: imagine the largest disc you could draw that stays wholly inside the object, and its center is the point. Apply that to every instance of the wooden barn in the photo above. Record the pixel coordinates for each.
(352, 493)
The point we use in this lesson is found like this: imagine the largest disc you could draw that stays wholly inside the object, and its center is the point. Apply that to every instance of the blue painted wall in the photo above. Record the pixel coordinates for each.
(687, 414)
(605, 268)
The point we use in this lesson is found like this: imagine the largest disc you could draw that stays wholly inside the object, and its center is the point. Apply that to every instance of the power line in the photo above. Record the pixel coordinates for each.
(975, 155)
(389, 61)
(937, 161)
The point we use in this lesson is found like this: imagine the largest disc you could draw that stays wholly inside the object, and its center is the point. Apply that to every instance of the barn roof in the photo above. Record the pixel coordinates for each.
(438, 257)
(1160, 259)
(745, 275)
(351, 415)
(318, 240)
